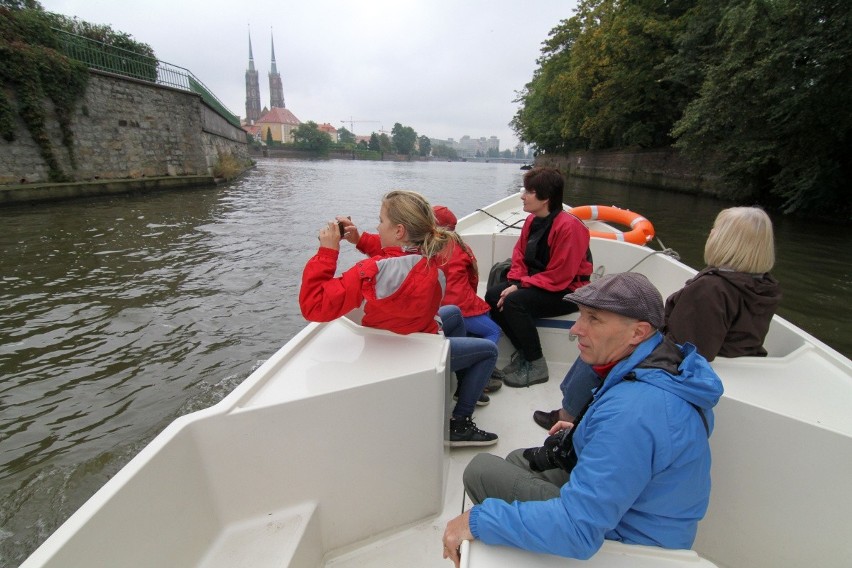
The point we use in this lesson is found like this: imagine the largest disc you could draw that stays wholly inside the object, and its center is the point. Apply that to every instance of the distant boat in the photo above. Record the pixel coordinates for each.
(527, 167)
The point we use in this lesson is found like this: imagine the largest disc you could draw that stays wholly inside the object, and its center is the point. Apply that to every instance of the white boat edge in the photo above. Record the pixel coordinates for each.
(332, 453)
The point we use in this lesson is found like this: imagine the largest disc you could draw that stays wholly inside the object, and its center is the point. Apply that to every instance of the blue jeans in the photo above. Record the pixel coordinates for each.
(483, 326)
(474, 356)
(578, 386)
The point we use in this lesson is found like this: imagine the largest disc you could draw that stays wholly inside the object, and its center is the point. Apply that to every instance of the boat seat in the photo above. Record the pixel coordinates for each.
(558, 322)
(476, 554)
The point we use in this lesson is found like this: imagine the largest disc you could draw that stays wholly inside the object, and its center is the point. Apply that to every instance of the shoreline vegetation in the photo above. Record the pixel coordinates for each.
(760, 87)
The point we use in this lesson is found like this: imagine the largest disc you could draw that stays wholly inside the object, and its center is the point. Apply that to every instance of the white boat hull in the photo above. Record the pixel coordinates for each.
(332, 453)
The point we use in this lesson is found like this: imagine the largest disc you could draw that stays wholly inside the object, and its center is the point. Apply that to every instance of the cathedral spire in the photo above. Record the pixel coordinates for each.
(251, 57)
(252, 89)
(272, 39)
(276, 89)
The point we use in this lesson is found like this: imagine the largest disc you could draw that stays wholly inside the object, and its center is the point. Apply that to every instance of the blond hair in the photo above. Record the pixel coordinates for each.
(742, 239)
(413, 211)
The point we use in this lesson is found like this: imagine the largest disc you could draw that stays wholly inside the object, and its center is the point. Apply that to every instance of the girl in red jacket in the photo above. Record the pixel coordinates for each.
(402, 283)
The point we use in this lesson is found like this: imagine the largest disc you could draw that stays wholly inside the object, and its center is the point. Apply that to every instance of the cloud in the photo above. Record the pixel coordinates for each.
(445, 68)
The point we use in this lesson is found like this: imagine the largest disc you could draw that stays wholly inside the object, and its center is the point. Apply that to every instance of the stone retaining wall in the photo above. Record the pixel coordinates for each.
(663, 168)
(128, 129)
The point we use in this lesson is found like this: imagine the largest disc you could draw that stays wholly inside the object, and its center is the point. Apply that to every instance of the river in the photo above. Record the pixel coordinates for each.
(119, 314)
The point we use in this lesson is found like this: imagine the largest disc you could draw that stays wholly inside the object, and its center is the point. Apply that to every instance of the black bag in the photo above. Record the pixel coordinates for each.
(499, 272)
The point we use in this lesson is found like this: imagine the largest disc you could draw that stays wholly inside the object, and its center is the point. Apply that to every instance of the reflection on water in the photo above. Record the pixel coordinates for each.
(119, 314)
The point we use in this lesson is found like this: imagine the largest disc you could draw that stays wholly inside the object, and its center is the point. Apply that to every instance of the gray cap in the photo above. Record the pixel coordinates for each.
(627, 293)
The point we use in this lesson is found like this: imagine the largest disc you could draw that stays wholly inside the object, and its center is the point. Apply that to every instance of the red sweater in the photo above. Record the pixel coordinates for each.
(569, 242)
(402, 290)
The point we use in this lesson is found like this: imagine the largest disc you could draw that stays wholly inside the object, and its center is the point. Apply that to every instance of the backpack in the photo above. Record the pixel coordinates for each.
(499, 272)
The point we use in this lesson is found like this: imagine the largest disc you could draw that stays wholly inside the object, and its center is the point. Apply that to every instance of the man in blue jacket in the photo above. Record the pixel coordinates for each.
(642, 473)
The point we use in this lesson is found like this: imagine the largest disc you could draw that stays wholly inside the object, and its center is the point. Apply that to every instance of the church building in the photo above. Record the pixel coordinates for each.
(276, 122)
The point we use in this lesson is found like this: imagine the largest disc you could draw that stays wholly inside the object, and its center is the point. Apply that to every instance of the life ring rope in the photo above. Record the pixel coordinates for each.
(641, 231)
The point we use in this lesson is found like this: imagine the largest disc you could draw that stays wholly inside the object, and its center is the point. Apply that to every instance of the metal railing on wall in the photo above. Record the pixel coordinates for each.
(103, 57)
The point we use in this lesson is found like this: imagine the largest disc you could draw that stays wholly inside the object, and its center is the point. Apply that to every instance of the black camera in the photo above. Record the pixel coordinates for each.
(556, 453)
(342, 227)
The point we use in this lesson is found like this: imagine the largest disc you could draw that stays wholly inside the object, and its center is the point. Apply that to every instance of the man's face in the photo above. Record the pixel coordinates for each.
(604, 337)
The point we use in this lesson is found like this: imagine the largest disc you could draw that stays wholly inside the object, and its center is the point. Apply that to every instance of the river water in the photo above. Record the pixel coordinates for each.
(119, 314)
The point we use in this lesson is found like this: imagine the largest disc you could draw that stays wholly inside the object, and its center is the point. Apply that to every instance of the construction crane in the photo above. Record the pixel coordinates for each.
(351, 122)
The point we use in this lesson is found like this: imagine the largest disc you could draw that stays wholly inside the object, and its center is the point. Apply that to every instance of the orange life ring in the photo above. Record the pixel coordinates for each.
(642, 229)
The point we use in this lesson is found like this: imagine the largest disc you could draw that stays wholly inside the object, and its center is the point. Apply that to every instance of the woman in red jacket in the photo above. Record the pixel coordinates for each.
(402, 283)
(550, 259)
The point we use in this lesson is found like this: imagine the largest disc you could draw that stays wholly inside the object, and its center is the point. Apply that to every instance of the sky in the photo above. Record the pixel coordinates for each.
(446, 68)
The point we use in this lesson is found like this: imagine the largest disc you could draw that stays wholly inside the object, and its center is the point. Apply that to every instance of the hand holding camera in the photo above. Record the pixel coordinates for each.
(556, 453)
(348, 230)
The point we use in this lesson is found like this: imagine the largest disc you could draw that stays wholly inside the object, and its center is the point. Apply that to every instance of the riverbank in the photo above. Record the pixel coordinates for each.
(656, 168)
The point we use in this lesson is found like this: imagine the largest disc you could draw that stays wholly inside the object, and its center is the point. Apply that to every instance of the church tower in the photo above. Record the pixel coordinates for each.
(252, 90)
(276, 90)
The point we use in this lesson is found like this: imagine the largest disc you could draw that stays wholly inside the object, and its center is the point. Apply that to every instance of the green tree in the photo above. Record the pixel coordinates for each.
(774, 105)
(269, 139)
(492, 153)
(375, 145)
(308, 136)
(345, 137)
(443, 151)
(424, 145)
(385, 143)
(506, 153)
(404, 138)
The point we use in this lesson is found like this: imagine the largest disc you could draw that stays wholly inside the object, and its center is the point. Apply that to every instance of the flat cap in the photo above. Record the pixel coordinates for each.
(627, 293)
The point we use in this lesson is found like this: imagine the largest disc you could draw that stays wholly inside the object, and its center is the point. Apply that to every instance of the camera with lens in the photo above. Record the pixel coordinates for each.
(556, 453)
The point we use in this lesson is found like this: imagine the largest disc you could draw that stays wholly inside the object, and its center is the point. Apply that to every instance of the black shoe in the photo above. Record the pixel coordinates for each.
(546, 419)
(463, 432)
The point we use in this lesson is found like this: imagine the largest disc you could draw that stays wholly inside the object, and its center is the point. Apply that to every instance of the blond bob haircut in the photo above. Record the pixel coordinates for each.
(414, 212)
(742, 239)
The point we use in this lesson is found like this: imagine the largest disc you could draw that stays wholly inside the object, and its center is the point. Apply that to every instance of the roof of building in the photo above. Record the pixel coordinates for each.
(277, 115)
(252, 129)
(326, 127)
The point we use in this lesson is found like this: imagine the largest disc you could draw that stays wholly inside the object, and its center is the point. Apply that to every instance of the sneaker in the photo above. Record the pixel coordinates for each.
(515, 363)
(529, 373)
(463, 432)
(483, 400)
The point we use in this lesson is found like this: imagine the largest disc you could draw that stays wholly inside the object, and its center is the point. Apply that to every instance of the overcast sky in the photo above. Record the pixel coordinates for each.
(446, 68)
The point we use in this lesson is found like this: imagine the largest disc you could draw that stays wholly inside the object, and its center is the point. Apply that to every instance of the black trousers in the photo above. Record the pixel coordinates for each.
(520, 309)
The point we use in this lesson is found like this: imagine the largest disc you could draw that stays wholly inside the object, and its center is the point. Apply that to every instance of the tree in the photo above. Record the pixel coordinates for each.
(424, 145)
(443, 151)
(345, 137)
(404, 138)
(375, 144)
(269, 140)
(310, 137)
(385, 144)
(774, 104)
